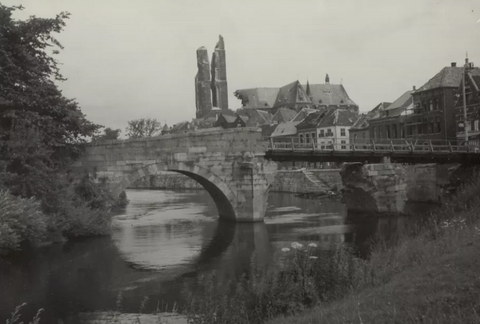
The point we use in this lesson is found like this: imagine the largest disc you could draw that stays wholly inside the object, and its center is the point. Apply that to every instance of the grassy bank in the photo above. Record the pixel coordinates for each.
(426, 275)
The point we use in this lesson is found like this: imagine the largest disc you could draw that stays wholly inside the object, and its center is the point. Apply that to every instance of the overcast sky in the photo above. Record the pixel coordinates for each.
(131, 59)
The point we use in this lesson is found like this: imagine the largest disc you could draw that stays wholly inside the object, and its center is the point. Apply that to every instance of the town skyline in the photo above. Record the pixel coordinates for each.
(127, 62)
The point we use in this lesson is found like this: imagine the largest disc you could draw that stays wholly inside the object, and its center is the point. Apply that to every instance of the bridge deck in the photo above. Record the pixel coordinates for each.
(366, 150)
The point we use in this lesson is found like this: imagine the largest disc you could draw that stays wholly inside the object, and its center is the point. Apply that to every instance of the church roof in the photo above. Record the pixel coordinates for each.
(330, 95)
(257, 97)
(290, 95)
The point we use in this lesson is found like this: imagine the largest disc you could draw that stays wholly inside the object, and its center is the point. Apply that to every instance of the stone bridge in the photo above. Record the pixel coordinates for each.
(229, 164)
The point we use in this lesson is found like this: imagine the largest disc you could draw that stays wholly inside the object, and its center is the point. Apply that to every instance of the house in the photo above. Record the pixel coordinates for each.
(327, 127)
(433, 113)
(255, 117)
(302, 114)
(359, 132)
(284, 115)
(285, 130)
(181, 127)
(472, 107)
(389, 122)
(229, 121)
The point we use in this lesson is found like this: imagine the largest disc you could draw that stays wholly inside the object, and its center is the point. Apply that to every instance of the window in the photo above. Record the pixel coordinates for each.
(301, 138)
(437, 104)
(342, 131)
(387, 131)
(329, 132)
(364, 135)
(374, 132)
(322, 133)
(476, 125)
(313, 137)
(344, 147)
(431, 104)
(430, 127)
(394, 131)
(307, 138)
(438, 127)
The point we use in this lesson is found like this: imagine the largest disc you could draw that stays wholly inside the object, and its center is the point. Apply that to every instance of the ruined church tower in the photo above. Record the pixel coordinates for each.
(203, 96)
(219, 76)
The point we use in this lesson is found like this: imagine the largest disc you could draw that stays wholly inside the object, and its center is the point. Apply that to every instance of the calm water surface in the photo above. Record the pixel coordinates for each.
(163, 243)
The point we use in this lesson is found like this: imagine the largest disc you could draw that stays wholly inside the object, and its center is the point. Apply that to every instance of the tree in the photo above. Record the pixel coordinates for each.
(144, 127)
(41, 131)
(108, 134)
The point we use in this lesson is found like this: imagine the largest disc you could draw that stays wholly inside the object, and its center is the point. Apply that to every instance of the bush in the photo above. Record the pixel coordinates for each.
(20, 221)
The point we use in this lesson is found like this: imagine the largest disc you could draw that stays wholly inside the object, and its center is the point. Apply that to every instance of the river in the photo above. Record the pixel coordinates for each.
(162, 244)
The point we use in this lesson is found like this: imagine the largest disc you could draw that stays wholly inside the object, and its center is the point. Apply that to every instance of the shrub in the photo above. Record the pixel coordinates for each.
(20, 221)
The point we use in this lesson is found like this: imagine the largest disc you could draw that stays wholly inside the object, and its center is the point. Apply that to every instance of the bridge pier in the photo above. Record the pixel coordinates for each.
(376, 188)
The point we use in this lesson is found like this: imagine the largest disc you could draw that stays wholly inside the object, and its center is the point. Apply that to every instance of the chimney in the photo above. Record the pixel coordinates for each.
(414, 88)
(454, 64)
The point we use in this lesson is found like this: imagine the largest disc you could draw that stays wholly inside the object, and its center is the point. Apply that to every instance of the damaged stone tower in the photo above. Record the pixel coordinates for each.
(211, 90)
(203, 96)
(219, 76)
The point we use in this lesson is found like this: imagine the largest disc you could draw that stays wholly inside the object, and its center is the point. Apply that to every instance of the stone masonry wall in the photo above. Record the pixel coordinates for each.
(296, 181)
(375, 187)
(166, 180)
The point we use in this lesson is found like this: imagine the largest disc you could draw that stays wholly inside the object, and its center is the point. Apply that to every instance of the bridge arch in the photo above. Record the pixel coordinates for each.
(224, 196)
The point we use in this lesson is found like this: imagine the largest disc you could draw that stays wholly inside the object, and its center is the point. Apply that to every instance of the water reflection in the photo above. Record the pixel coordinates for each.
(164, 242)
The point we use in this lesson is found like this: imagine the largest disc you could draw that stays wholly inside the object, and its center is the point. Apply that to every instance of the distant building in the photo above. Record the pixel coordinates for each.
(327, 127)
(228, 121)
(359, 132)
(284, 115)
(288, 129)
(389, 122)
(472, 95)
(433, 113)
(297, 96)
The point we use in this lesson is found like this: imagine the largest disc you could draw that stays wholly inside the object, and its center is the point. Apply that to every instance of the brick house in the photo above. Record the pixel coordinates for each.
(472, 95)
(433, 113)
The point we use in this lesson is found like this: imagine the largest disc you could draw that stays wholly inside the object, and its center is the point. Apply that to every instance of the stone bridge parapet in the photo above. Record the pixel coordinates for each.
(229, 164)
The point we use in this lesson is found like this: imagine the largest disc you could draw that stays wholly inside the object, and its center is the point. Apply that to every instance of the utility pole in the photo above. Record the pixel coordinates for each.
(465, 102)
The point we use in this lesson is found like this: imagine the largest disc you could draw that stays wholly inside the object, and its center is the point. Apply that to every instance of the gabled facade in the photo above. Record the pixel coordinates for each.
(226, 121)
(389, 122)
(433, 113)
(327, 127)
(360, 129)
(472, 107)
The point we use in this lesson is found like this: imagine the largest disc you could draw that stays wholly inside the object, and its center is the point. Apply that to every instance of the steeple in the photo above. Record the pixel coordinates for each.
(327, 79)
(309, 92)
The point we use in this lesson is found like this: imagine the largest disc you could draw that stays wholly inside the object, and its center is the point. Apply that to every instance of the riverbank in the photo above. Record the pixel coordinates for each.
(429, 277)
(426, 274)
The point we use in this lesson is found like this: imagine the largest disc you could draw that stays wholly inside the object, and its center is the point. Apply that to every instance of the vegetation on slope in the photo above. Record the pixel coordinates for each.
(426, 275)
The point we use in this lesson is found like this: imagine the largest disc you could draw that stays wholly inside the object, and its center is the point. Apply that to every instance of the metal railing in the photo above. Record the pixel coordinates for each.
(371, 145)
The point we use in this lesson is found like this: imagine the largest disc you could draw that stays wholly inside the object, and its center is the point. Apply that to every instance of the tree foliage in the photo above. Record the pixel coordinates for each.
(108, 134)
(144, 127)
(41, 131)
